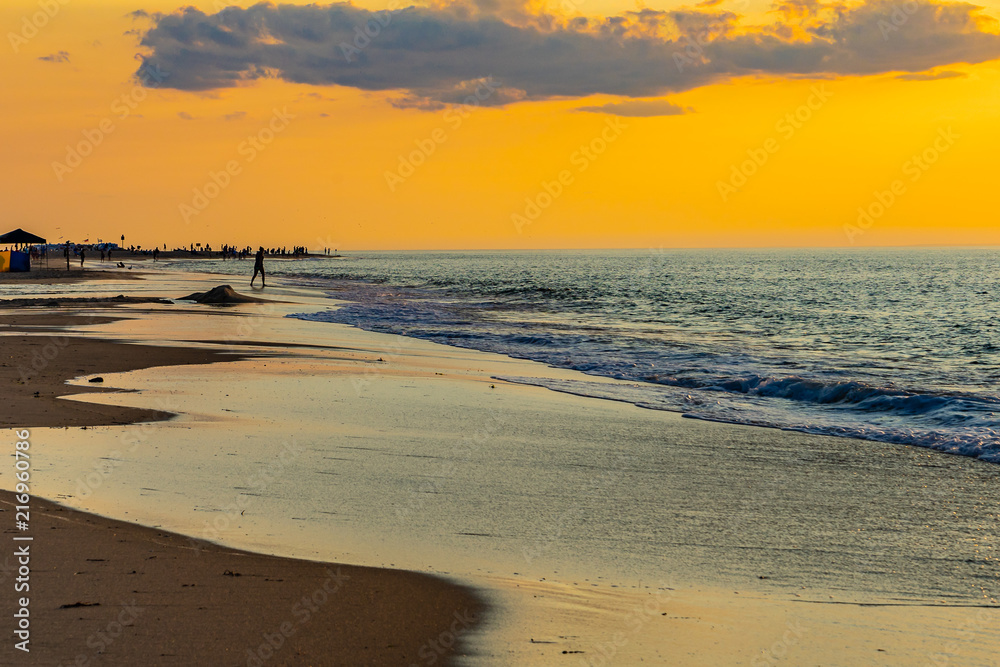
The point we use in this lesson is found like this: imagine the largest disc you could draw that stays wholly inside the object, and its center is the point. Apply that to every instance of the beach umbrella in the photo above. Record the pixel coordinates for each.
(20, 237)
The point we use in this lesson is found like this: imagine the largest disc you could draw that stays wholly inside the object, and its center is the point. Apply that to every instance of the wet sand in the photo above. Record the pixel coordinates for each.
(55, 275)
(103, 591)
(34, 370)
(113, 593)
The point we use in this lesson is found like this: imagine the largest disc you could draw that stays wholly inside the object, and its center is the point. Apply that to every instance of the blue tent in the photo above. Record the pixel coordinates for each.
(11, 260)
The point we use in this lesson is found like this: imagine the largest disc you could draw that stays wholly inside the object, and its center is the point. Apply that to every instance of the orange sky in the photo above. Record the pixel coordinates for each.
(319, 178)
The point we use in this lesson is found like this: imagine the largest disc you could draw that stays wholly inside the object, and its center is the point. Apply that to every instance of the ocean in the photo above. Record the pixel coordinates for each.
(893, 345)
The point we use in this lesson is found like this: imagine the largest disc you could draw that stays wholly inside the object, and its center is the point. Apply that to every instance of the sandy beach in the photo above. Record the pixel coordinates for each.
(62, 276)
(108, 592)
(584, 532)
(499, 332)
(113, 593)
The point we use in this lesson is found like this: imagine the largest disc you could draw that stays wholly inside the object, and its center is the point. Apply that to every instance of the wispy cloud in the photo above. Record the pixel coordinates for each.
(639, 108)
(236, 115)
(430, 55)
(932, 76)
(58, 57)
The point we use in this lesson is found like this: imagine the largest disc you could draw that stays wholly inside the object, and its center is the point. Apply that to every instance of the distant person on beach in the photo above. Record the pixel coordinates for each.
(258, 266)
(66, 252)
(83, 256)
(156, 253)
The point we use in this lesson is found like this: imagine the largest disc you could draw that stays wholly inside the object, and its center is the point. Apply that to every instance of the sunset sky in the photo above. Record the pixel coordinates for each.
(597, 123)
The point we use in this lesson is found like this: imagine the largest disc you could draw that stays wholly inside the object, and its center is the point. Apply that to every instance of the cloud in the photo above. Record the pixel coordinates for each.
(430, 56)
(932, 76)
(236, 115)
(59, 57)
(639, 108)
(184, 115)
(484, 91)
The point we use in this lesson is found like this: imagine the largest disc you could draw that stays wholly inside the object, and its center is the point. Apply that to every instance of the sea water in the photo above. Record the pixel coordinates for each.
(893, 345)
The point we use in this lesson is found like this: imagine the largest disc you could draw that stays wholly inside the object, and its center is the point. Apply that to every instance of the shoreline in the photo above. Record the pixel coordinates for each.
(126, 593)
(37, 370)
(699, 624)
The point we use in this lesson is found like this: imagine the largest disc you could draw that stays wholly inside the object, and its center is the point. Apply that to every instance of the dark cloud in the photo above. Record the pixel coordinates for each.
(236, 115)
(433, 56)
(184, 115)
(639, 108)
(59, 57)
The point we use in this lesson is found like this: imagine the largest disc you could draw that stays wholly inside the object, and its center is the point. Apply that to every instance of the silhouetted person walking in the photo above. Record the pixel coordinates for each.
(83, 255)
(258, 267)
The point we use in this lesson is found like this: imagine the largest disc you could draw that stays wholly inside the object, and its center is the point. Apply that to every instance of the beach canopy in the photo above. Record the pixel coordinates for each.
(19, 236)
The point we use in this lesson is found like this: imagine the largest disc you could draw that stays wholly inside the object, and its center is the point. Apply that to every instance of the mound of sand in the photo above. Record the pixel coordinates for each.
(221, 294)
